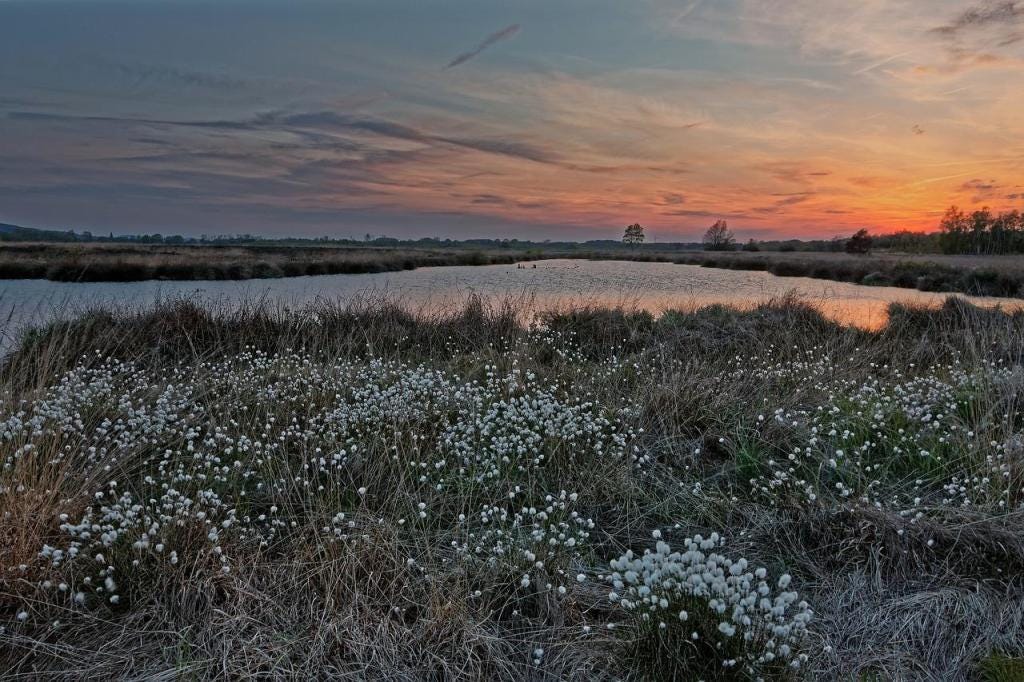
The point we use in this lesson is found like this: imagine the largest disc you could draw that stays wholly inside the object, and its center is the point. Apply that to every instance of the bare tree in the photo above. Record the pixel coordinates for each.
(719, 237)
(633, 235)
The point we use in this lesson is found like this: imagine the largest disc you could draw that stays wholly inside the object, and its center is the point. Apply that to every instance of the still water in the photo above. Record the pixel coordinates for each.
(545, 284)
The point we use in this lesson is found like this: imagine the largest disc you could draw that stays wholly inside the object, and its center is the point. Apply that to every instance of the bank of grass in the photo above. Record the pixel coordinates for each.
(97, 262)
(1000, 276)
(977, 276)
(365, 491)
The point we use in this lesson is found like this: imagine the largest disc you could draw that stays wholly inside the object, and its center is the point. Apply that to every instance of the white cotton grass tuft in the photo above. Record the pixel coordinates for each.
(847, 448)
(702, 595)
(542, 543)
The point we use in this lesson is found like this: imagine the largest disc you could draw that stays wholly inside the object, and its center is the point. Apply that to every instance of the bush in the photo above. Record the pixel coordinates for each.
(877, 279)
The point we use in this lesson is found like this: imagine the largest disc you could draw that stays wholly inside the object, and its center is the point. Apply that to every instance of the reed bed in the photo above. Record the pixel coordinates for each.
(977, 276)
(129, 263)
(1001, 276)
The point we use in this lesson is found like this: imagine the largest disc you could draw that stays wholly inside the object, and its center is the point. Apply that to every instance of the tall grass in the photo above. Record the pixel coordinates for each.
(388, 493)
(97, 262)
(993, 277)
(129, 263)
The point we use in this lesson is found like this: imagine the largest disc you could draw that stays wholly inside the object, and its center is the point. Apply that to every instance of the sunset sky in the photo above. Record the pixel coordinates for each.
(531, 119)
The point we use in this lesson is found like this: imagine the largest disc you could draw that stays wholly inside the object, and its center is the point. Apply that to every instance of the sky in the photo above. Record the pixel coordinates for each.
(538, 119)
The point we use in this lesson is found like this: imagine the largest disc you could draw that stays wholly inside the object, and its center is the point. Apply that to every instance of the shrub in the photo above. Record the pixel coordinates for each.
(877, 279)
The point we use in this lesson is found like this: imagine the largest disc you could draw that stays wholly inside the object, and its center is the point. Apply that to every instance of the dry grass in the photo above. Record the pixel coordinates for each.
(931, 598)
(99, 262)
(975, 275)
(95, 262)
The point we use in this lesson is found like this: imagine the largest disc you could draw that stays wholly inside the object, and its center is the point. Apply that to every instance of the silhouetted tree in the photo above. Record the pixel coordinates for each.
(719, 238)
(633, 235)
(860, 242)
(751, 246)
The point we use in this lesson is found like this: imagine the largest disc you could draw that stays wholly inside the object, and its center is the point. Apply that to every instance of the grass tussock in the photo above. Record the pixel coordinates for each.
(365, 491)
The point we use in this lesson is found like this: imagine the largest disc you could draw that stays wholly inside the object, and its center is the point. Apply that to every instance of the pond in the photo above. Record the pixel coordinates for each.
(540, 285)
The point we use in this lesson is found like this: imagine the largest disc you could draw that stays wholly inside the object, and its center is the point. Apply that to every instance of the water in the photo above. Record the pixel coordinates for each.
(542, 285)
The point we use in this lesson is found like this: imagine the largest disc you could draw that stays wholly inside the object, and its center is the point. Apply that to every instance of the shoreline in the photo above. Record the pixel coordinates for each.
(994, 276)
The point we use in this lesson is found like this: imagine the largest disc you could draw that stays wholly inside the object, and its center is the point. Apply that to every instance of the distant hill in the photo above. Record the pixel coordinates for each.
(9, 232)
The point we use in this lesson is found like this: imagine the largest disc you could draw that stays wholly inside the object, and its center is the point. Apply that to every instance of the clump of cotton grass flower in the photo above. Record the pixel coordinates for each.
(538, 549)
(891, 441)
(700, 614)
(510, 425)
(199, 469)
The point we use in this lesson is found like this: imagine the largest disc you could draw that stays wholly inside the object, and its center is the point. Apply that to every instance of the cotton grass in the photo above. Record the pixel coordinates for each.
(458, 497)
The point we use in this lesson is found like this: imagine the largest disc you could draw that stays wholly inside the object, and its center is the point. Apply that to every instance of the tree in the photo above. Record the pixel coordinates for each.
(751, 246)
(954, 237)
(719, 237)
(860, 242)
(633, 235)
(981, 232)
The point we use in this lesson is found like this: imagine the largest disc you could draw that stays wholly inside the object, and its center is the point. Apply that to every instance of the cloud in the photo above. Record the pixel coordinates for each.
(975, 35)
(141, 75)
(322, 121)
(878, 41)
(489, 199)
(983, 17)
(979, 185)
(788, 171)
(715, 215)
(495, 37)
(784, 200)
(917, 130)
(982, 189)
(333, 120)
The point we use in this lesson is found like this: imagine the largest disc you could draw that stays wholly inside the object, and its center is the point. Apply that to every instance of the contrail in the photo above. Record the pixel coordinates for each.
(506, 32)
(883, 62)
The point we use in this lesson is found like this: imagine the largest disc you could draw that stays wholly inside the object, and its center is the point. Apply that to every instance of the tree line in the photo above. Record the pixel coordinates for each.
(981, 232)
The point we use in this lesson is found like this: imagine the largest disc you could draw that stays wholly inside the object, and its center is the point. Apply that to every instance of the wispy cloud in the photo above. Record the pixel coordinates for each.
(323, 121)
(979, 185)
(981, 190)
(495, 37)
(1000, 15)
(979, 35)
(142, 75)
(881, 62)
